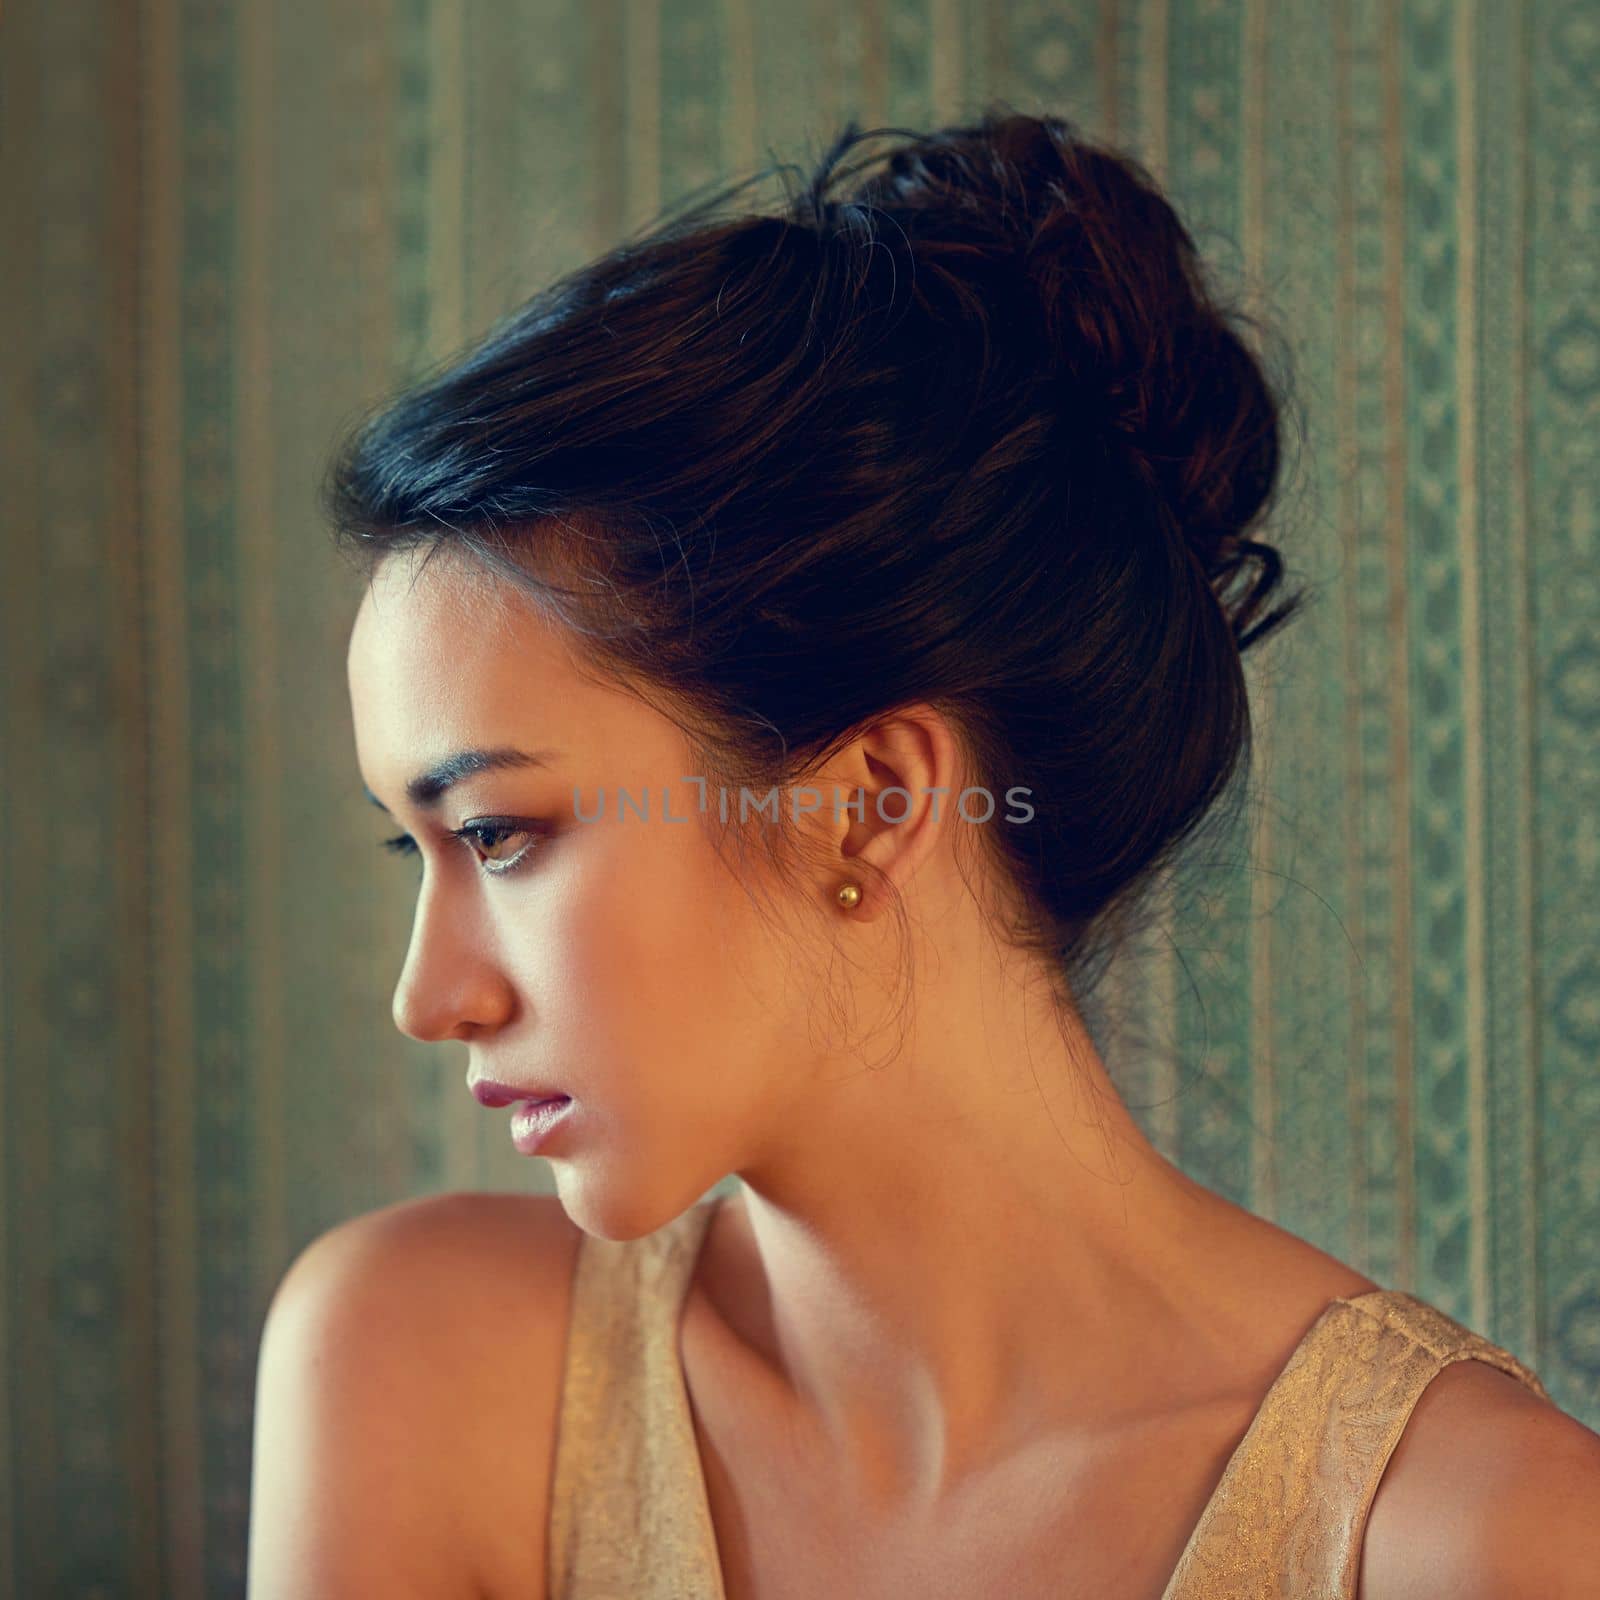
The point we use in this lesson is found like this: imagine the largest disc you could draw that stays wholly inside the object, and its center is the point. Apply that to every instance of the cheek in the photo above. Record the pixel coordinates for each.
(649, 958)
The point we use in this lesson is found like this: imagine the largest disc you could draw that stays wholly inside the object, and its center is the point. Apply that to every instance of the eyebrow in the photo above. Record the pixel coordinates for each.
(427, 789)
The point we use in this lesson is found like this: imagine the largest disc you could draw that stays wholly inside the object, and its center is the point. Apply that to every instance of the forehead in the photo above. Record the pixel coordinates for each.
(440, 650)
(418, 617)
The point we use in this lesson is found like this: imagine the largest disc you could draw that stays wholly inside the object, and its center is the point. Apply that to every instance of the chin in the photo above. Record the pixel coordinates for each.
(618, 1206)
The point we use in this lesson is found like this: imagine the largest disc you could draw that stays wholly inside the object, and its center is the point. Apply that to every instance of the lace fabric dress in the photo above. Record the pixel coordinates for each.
(629, 1514)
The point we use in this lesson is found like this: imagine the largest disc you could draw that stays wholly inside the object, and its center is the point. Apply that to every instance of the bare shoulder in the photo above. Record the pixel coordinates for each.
(500, 1266)
(409, 1379)
(1492, 1493)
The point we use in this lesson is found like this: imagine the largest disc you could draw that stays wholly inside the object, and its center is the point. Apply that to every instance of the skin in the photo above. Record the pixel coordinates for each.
(941, 1255)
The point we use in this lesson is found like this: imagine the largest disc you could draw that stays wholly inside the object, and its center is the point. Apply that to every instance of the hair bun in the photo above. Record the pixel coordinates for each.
(1133, 340)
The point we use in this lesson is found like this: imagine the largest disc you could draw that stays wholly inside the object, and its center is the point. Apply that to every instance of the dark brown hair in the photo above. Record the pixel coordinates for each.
(965, 425)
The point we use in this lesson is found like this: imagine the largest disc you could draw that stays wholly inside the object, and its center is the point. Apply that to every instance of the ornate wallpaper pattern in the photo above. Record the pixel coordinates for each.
(1377, 1020)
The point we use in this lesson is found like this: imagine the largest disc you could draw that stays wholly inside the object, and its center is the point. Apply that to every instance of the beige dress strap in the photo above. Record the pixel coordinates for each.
(628, 1516)
(1289, 1511)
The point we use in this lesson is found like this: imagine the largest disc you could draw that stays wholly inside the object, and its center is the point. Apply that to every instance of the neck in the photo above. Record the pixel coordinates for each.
(926, 1271)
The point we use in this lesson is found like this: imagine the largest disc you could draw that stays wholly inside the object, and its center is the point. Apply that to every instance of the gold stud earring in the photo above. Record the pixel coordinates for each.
(849, 896)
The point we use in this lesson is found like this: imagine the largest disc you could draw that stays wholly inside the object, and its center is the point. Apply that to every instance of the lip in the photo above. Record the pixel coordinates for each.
(489, 1093)
(534, 1121)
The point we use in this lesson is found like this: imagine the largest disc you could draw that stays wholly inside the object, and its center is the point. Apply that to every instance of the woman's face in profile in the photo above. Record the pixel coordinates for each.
(614, 961)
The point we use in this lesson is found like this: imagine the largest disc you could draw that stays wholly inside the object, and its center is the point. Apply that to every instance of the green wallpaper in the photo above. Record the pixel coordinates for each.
(1378, 1019)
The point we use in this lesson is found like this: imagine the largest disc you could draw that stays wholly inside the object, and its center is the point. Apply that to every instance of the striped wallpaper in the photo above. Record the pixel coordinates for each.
(1376, 1018)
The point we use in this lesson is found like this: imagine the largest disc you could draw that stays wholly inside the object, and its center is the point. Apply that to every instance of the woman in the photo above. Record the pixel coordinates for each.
(792, 646)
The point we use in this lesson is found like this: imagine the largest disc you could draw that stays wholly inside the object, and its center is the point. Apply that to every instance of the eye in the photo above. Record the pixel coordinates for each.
(481, 838)
(486, 836)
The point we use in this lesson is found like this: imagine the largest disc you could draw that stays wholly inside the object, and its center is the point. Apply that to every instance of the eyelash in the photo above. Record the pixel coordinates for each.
(403, 844)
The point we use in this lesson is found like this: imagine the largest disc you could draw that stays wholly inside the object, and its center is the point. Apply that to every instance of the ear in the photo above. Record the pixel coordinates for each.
(886, 801)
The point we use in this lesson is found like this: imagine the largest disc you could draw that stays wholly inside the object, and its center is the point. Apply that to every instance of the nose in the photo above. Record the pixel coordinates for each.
(451, 986)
